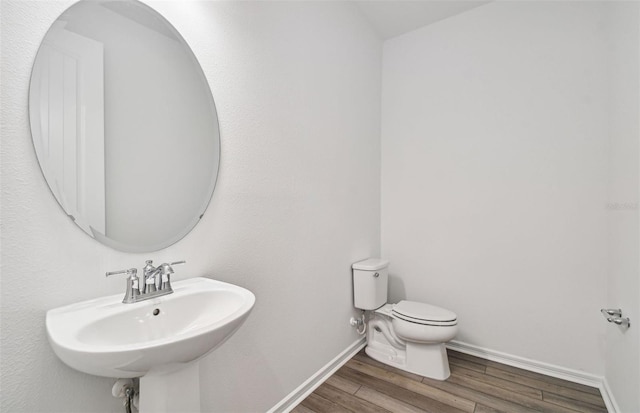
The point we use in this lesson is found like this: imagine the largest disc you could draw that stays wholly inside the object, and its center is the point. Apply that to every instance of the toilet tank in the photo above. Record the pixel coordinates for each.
(370, 283)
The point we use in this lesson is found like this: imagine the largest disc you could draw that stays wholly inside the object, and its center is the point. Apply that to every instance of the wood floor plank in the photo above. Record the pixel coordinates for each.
(526, 373)
(347, 400)
(497, 382)
(552, 380)
(412, 385)
(577, 405)
(387, 402)
(465, 356)
(545, 385)
(301, 409)
(425, 403)
(475, 386)
(477, 396)
(469, 365)
(319, 404)
(366, 359)
(343, 384)
(528, 402)
(484, 409)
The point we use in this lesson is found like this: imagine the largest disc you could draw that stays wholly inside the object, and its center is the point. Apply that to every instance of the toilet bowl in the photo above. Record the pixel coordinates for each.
(408, 335)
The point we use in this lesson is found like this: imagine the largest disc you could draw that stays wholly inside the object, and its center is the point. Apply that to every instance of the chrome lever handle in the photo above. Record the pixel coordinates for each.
(611, 312)
(133, 286)
(129, 272)
(614, 315)
(165, 281)
(620, 321)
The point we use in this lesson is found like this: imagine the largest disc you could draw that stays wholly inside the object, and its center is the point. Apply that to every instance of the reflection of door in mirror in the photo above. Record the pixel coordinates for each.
(70, 83)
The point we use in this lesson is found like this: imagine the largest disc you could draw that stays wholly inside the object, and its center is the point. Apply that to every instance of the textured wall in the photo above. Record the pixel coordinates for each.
(297, 86)
(494, 175)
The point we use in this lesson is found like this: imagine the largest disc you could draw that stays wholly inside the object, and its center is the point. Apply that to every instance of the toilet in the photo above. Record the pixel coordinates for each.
(408, 335)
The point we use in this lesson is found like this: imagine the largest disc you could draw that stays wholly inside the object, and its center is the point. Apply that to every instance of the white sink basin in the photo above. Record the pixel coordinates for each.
(105, 337)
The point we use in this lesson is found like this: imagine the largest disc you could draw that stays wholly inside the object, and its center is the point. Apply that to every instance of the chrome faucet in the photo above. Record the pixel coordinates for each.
(156, 281)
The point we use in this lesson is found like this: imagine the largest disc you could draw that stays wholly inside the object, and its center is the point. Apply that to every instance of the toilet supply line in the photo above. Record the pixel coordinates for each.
(125, 389)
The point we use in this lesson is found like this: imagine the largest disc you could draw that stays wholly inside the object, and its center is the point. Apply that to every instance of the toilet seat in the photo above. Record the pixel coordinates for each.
(424, 314)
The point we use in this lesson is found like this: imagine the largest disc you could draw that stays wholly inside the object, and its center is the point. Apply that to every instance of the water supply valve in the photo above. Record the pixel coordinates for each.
(359, 324)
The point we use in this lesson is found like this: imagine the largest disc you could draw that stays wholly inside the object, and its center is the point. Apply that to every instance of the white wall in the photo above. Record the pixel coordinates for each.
(623, 282)
(497, 173)
(495, 158)
(297, 87)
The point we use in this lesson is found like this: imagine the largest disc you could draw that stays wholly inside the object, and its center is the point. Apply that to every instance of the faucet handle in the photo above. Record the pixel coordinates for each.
(131, 272)
(165, 274)
(611, 312)
(133, 286)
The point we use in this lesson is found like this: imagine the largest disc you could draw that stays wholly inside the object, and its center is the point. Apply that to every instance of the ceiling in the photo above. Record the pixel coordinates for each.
(391, 18)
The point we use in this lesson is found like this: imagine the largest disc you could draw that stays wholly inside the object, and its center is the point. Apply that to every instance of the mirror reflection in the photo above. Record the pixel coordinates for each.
(124, 125)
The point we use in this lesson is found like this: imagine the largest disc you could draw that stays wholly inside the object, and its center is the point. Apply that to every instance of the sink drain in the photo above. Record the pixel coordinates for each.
(156, 311)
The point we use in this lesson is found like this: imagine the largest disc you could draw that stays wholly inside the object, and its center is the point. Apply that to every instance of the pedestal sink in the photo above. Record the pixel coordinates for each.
(158, 340)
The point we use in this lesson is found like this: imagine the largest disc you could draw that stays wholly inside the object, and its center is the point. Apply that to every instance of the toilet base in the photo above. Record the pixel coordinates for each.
(428, 360)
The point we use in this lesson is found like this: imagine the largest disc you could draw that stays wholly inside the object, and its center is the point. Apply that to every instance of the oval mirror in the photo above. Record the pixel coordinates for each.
(124, 125)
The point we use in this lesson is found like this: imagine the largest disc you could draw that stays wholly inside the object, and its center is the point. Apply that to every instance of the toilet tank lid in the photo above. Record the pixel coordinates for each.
(371, 264)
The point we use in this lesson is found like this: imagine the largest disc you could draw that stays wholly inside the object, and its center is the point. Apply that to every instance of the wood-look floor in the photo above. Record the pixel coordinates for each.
(475, 386)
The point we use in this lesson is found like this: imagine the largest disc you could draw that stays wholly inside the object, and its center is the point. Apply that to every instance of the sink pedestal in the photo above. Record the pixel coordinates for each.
(174, 391)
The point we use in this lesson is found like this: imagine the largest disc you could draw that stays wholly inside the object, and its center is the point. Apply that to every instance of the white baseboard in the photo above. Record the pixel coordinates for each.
(552, 370)
(313, 382)
(607, 396)
(564, 373)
